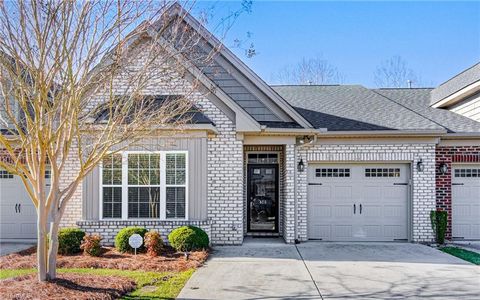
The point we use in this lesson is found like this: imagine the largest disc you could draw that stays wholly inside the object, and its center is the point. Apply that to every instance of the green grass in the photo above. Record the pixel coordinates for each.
(14, 273)
(469, 256)
(165, 285)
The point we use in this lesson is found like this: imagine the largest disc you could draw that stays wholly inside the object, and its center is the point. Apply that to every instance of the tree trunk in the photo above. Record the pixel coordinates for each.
(42, 245)
(53, 250)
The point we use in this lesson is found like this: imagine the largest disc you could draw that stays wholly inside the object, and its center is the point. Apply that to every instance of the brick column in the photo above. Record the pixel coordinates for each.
(449, 155)
(289, 199)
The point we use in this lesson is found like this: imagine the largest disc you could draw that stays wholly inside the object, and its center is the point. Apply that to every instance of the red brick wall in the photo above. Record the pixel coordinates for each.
(447, 155)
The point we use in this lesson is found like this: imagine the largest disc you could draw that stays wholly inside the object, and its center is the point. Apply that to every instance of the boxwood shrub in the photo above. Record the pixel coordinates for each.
(188, 238)
(121, 239)
(69, 240)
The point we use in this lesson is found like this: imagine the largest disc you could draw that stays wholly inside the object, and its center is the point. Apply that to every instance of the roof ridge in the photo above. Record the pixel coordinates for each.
(415, 112)
(458, 74)
(404, 88)
(313, 85)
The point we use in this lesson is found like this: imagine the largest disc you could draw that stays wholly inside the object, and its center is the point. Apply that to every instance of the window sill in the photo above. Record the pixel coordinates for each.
(145, 222)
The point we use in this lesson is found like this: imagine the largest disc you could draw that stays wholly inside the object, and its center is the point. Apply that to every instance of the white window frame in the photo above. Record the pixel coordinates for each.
(163, 187)
(101, 186)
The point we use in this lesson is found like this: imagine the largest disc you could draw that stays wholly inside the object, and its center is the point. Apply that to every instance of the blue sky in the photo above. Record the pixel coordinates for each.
(437, 39)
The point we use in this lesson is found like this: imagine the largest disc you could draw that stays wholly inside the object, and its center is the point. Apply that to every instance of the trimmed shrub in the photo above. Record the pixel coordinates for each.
(188, 238)
(439, 225)
(91, 245)
(121, 239)
(154, 243)
(69, 240)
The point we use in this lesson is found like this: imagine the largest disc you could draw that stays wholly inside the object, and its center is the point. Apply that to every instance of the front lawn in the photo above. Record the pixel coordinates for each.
(113, 275)
(469, 256)
(149, 285)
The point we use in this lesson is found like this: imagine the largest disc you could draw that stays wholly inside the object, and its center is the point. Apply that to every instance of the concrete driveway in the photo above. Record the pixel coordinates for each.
(273, 270)
(11, 247)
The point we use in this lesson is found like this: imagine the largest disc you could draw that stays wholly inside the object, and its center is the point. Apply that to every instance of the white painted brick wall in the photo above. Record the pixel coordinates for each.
(423, 183)
(109, 229)
(289, 200)
(73, 211)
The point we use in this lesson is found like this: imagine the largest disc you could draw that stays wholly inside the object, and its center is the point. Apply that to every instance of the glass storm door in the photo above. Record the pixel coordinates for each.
(262, 198)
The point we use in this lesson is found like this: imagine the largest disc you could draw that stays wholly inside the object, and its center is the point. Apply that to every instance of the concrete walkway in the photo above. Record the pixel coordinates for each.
(273, 270)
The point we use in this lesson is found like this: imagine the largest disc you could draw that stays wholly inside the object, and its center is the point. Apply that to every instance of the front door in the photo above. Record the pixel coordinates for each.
(262, 198)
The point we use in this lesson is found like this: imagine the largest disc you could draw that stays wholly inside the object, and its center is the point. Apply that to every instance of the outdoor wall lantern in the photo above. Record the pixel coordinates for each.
(300, 166)
(420, 166)
(306, 140)
(443, 168)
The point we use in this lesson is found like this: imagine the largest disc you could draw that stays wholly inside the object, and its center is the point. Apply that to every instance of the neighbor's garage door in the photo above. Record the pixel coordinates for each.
(17, 213)
(358, 202)
(466, 202)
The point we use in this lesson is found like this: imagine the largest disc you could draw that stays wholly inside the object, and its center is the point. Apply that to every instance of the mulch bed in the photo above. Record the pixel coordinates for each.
(111, 259)
(66, 286)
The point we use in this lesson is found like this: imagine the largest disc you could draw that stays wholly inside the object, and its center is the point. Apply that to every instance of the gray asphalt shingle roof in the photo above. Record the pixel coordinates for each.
(351, 108)
(456, 83)
(419, 101)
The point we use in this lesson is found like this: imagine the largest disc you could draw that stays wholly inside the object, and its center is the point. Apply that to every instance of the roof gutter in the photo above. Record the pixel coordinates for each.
(462, 135)
(457, 96)
(383, 133)
(291, 131)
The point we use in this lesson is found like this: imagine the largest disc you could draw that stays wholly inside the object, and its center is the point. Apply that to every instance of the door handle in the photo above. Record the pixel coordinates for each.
(360, 208)
(16, 207)
(19, 206)
(354, 209)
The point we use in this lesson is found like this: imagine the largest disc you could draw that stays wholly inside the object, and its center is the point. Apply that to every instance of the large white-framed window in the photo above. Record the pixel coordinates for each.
(144, 185)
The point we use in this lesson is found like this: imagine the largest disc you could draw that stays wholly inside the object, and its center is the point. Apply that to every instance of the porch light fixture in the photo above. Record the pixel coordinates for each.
(420, 166)
(300, 166)
(305, 140)
(443, 169)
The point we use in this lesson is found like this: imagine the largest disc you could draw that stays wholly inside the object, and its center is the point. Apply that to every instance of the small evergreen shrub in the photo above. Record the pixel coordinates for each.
(121, 239)
(154, 243)
(91, 245)
(69, 240)
(439, 225)
(188, 238)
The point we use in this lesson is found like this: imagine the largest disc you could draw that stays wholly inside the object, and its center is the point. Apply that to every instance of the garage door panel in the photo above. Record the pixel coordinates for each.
(384, 204)
(371, 211)
(322, 232)
(17, 216)
(394, 211)
(466, 201)
(372, 231)
(342, 192)
(394, 231)
(342, 231)
(342, 211)
(322, 211)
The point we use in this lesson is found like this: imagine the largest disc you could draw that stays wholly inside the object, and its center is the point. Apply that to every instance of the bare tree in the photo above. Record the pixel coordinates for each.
(309, 71)
(394, 72)
(74, 78)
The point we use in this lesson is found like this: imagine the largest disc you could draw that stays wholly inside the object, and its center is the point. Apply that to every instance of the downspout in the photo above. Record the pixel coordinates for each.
(295, 198)
(295, 210)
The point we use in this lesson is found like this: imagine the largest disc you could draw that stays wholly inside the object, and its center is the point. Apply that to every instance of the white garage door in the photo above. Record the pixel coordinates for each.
(358, 202)
(17, 215)
(466, 202)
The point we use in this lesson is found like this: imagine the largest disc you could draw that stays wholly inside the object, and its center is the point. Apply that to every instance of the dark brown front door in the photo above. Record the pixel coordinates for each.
(262, 198)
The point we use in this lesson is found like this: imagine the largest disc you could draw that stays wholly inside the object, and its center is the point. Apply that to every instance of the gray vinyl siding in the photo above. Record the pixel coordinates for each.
(240, 94)
(469, 107)
(197, 176)
(227, 78)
